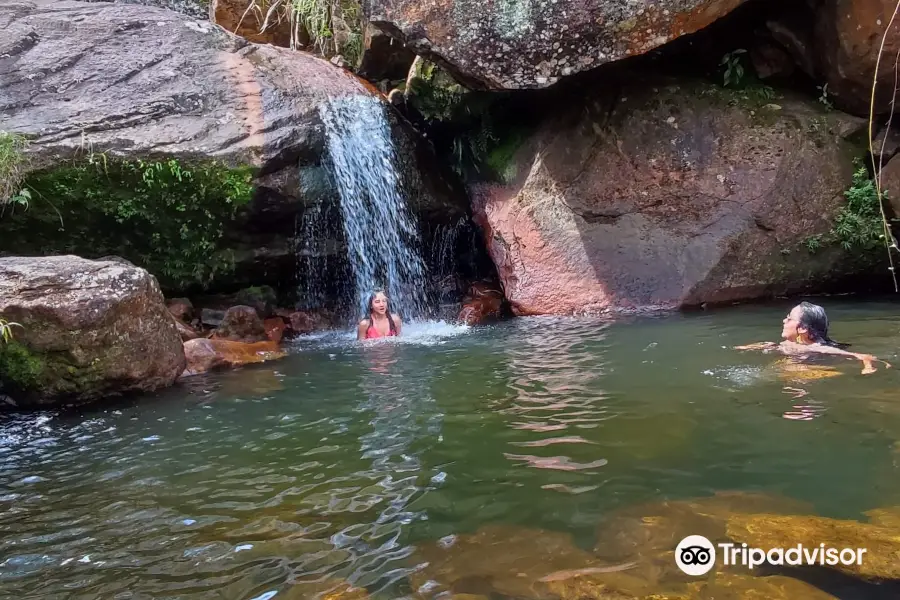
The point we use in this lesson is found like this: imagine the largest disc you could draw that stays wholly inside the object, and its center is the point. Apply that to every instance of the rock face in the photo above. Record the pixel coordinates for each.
(384, 57)
(246, 19)
(837, 42)
(513, 44)
(138, 82)
(679, 195)
(242, 324)
(848, 36)
(89, 329)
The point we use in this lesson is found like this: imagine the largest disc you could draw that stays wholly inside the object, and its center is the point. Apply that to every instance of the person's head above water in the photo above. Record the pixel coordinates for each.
(379, 304)
(379, 308)
(807, 323)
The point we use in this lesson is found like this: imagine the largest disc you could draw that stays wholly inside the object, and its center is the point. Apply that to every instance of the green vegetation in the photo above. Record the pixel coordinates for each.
(477, 133)
(858, 225)
(12, 169)
(19, 367)
(165, 216)
(733, 68)
(332, 26)
(6, 331)
(436, 95)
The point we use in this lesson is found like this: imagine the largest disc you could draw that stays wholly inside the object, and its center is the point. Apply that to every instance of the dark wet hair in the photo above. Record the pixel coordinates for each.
(815, 321)
(387, 313)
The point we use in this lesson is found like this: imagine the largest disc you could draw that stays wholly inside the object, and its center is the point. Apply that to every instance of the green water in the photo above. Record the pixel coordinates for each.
(345, 463)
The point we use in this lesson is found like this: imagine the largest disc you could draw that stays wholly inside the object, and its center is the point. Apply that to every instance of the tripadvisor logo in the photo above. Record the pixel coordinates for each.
(695, 555)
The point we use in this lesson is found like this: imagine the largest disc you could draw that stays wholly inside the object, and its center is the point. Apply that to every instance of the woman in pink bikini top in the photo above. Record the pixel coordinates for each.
(380, 323)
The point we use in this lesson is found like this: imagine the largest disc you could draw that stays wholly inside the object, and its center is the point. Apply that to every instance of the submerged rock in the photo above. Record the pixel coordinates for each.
(89, 329)
(513, 44)
(665, 195)
(204, 355)
(880, 561)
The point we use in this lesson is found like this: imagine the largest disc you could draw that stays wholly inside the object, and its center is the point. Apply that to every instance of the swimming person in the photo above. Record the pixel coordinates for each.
(805, 331)
(380, 322)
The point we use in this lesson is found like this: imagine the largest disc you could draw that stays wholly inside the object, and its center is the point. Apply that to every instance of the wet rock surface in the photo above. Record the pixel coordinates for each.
(204, 355)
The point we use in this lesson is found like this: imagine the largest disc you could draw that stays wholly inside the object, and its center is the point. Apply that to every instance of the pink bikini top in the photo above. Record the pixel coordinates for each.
(372, 332)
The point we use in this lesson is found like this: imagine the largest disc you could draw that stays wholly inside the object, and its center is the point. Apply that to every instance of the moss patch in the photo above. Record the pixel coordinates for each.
(19, 368)
(166, 216)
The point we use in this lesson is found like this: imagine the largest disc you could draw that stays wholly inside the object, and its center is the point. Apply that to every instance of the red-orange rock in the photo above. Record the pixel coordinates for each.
(275, 328)
(678, 199)
(483, 303)
(247, 17)
(208, 354)
(241, 324)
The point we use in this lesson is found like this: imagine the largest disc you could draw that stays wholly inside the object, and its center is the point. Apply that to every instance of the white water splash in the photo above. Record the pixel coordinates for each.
(382, 236)
(417, 333)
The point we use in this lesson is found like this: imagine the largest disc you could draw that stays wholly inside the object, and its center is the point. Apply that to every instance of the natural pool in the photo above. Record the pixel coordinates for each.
(458, 461)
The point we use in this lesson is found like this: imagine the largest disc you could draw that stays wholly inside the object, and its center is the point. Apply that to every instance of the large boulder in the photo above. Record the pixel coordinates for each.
(531, 44)
(837, 43)
(848, 36)
(680, 194)
(93, 85)
(88, 329)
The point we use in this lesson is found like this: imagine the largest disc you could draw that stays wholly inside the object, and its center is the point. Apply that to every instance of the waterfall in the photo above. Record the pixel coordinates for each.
(381, 234)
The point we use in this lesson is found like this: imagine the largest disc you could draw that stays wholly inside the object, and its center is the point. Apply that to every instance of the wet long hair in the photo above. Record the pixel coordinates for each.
(815, 321)
(387, 312)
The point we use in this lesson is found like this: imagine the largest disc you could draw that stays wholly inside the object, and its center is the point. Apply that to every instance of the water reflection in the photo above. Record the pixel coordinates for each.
(555, 369)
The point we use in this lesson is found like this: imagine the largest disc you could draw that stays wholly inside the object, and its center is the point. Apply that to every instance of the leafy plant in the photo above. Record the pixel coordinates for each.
(12, 169)
(166, 216)
(823, 98)
(858, 225)
(6, 333)
(734, 68)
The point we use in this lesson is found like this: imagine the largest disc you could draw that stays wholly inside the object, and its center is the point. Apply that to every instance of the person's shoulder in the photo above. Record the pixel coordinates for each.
(363, 323)
(396, 318)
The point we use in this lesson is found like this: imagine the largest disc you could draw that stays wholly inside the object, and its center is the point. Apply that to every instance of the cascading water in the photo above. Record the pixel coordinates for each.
(381, 234)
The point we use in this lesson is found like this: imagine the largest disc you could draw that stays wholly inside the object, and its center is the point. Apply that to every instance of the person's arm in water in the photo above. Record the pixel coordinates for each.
(866, 359)
(757, 346)
(397, 323)
(361, 330)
